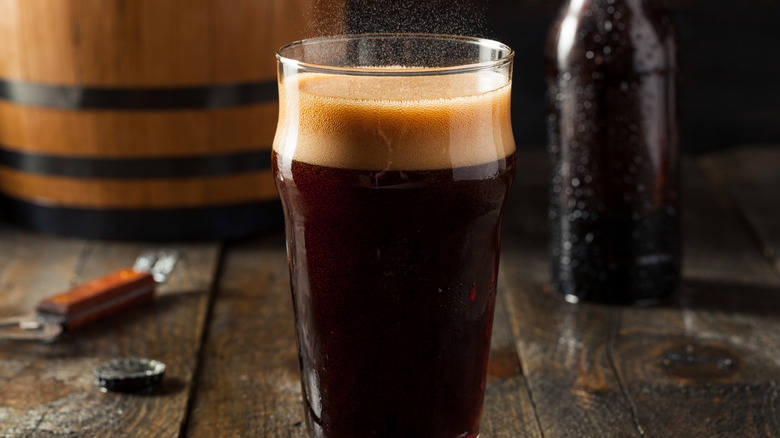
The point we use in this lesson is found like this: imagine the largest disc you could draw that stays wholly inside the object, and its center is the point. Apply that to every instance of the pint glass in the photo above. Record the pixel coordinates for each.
(393, 157)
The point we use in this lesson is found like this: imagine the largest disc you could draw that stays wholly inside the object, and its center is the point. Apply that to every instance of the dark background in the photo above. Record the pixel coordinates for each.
(729, 90)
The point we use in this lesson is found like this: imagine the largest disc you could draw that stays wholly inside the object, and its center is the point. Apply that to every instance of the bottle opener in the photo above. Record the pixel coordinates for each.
(93, 300)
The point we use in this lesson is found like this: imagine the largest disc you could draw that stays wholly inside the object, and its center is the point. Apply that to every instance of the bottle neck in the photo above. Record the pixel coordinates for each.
(609, 32)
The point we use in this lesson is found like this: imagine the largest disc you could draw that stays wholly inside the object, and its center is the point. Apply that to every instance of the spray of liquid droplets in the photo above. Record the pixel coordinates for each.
(454, 17)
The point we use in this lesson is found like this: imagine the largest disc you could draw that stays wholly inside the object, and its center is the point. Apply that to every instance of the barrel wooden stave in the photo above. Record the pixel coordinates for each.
(109, 47)
(154, 134)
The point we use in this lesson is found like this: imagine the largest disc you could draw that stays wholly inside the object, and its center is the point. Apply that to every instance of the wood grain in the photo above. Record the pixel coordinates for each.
(156, 44)
(706, 364)
(508, 410)
(250, 362)
(563, 348)
(49, 389)
(148, 42)
(248, 384)
(126, 134)
(748, 178)
(702, 364)
(105, 193)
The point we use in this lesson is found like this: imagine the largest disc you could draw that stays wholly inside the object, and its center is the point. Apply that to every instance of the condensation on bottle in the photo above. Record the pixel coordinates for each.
(613, 147)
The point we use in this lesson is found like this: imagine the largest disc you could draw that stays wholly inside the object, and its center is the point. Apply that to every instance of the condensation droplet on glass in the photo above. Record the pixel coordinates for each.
(589, 54)
(575, 182)
(589, 237)
(607, 50)
(567, 245)
(608, 25)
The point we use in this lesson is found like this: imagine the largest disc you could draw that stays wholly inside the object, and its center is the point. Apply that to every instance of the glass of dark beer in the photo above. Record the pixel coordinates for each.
(393, 157)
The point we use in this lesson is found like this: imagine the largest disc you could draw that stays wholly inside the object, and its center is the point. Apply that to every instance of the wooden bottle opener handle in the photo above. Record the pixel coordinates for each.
(98, 298)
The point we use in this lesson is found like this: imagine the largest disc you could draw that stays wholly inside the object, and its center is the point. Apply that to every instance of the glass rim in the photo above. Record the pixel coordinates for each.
(506, 57)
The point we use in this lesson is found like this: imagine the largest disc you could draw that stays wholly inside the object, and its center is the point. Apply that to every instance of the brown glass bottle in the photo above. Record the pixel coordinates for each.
(614, 203)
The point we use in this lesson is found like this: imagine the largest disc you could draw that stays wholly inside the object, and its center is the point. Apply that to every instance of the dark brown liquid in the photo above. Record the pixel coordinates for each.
(614, 206)
(394, 283)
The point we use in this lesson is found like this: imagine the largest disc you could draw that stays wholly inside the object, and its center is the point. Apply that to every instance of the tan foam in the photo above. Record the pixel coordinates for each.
(395, 123)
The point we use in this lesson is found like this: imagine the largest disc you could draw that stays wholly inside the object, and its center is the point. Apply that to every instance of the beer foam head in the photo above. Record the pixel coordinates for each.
(395, 122)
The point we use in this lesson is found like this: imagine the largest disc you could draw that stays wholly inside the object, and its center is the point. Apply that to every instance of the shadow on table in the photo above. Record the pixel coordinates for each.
(728, 297)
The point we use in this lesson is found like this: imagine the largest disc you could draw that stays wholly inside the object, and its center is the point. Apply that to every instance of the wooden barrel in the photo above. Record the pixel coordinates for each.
(141, 119)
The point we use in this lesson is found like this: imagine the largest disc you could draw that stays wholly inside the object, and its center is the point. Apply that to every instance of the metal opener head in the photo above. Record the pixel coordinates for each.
(28, 328)
(158, 262)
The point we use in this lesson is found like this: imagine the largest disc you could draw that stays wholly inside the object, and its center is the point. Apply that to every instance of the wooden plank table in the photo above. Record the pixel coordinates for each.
(706, 363)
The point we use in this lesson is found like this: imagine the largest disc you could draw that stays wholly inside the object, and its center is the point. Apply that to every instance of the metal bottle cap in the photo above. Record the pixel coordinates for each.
(129, 375)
